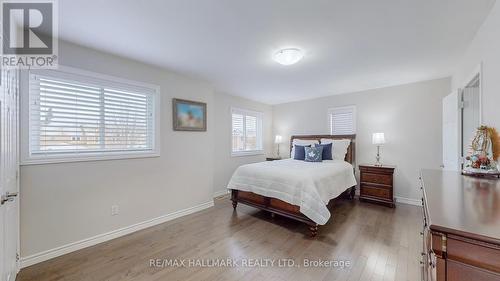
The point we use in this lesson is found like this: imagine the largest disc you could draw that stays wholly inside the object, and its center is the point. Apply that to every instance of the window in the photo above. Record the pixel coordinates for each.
(342, 120)
(246, 132)
(75, 117)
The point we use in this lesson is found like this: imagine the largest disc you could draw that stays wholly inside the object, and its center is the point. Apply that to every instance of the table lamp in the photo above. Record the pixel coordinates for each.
(378, 139)
(277, 140)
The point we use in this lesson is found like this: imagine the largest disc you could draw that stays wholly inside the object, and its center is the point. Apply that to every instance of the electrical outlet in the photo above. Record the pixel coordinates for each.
(115, 210)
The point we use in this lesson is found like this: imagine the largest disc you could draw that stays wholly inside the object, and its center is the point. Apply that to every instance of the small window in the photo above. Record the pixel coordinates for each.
(76, 117)
(342, 120)
(246, 132)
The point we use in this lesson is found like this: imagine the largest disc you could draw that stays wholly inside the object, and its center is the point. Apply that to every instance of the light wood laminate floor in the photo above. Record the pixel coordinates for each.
(381, 244)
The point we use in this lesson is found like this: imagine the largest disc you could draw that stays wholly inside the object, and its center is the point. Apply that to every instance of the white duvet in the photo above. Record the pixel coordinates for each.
(309, 185)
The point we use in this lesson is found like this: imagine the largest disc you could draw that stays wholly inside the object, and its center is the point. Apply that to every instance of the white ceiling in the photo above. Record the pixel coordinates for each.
(350, 45)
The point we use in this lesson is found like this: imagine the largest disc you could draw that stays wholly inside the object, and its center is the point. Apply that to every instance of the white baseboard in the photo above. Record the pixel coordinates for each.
(408, 201)
(221, 193)
(71, 247)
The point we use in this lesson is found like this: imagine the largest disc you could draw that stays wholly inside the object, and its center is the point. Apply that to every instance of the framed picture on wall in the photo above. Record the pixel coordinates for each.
(189, 115)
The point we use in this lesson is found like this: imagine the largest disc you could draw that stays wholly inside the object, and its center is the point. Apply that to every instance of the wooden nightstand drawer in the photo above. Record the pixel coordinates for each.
(377, 184)
(375, 191)
(376, 178)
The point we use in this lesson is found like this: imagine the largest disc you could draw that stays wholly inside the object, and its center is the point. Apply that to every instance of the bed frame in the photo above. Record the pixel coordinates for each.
(276, 206)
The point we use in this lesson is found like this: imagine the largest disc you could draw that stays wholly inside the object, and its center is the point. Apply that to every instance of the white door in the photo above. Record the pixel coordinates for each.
(9, 171)
(451, 131)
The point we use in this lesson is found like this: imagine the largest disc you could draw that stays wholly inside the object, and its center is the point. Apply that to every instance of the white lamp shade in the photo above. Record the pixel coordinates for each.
(278, 139)
(378, 138)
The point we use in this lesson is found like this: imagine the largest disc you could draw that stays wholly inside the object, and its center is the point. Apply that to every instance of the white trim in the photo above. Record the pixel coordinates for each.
(94, 77)
(260, 131)
(99, 76)
(18, 177)
(247, 153)
(408, 201)
(247, 111)
(478, 70)
(351, 108)
(71, 247)
(82, 157)
(221, 192)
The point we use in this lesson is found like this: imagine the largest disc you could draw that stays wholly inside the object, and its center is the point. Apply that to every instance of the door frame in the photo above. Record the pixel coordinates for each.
(478, 70)
(18, 166)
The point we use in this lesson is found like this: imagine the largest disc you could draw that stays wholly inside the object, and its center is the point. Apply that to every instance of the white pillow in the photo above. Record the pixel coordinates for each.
(301, 142)
(339, 149)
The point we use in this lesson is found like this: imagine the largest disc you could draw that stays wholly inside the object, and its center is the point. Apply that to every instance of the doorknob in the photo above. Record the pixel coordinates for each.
(7, 197)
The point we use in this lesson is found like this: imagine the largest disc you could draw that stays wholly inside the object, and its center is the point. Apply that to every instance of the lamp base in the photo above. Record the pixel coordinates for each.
(378, 164)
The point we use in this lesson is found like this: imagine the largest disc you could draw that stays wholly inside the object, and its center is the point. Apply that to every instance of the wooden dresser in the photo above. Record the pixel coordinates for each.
(377, 184)
(461, 227)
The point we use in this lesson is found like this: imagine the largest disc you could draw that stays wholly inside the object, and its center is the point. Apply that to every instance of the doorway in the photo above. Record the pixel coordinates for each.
(461, 118)
(9, 174)
(471, 115)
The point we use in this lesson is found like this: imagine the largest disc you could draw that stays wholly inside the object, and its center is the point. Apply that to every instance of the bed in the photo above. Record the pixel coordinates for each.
(296, 189)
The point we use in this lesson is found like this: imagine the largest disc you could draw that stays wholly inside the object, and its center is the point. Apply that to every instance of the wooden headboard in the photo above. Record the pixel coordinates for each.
(351, 151)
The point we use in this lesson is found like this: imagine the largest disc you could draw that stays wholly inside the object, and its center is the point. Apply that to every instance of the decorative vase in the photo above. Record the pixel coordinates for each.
(480, 158)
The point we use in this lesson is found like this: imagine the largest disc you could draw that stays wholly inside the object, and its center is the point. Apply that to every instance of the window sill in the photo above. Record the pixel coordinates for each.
(247, 153)
(40, 160)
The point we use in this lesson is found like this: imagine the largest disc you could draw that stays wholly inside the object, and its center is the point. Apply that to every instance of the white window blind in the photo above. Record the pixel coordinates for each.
(80, 117)
(246, 131)
(342, 120)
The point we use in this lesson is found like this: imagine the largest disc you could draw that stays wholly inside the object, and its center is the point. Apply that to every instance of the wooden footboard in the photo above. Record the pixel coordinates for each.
(276, 206)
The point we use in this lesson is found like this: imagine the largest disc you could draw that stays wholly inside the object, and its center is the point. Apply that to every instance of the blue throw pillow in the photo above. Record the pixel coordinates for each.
(313, 154)
(300, 153)
(327, 151)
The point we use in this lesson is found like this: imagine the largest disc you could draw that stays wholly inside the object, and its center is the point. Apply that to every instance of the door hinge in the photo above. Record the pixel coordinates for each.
(461, 105)
(17, 174)
(17, 257)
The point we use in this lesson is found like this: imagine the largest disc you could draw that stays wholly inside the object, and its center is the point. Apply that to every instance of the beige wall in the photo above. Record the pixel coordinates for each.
(224, 163)
(69, 202)
(64, 203)
(485, 49)
(409, 115)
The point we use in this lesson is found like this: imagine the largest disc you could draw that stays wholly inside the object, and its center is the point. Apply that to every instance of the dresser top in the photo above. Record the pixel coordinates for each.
(383, 166)
(463, 205)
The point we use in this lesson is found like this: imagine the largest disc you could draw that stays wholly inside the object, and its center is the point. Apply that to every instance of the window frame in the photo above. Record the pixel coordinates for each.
(260, 132)
(84, 76)
(332, 110)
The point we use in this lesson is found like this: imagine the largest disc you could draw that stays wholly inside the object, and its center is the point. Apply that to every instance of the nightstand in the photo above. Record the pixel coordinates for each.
(272, 158)
(377, 184)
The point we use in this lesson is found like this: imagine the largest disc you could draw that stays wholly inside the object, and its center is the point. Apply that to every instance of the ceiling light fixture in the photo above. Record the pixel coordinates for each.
(288, 56)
